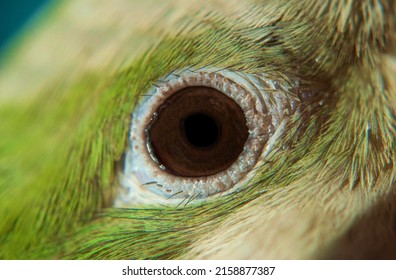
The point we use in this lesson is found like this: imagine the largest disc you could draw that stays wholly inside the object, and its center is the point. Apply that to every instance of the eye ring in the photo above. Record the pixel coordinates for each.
(265, 106)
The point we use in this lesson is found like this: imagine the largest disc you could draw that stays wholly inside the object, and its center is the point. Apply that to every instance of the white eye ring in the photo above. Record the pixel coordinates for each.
(266, 105)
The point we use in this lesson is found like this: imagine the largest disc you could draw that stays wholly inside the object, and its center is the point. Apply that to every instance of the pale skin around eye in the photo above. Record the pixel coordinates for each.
(323, 204)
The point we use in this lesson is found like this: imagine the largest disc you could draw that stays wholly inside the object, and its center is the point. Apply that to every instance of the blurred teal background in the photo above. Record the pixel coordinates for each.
(14, 15)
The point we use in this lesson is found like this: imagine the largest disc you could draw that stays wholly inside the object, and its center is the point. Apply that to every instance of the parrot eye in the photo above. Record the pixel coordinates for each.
(200, 133)
(196, 132)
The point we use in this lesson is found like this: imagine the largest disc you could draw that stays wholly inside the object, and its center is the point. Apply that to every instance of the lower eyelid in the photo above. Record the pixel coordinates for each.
(267, 105)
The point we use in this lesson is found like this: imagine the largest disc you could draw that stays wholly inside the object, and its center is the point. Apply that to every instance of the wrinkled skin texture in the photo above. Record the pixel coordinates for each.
(325, 191)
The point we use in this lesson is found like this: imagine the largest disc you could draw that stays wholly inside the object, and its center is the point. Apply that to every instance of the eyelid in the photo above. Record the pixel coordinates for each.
(267, 105)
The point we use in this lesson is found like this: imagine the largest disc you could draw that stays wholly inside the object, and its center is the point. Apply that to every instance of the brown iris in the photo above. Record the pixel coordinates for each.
(197, 131)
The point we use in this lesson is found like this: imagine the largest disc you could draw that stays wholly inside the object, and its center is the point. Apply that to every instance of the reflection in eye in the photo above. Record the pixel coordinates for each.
(200, 133)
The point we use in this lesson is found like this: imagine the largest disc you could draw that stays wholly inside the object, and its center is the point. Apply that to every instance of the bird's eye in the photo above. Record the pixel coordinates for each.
(201, 132)
(197, 131)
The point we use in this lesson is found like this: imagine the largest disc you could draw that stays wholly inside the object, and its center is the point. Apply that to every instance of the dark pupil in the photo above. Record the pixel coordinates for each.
(197, 131)
(201, 130)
